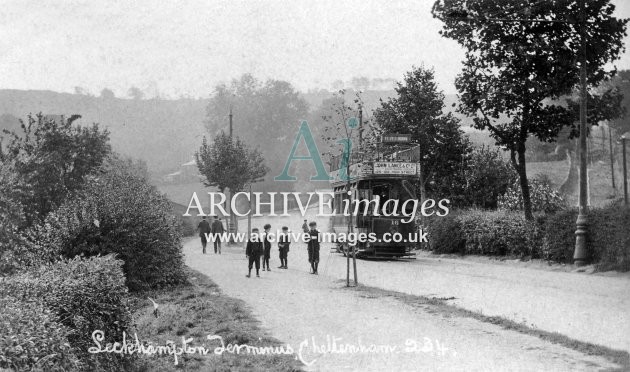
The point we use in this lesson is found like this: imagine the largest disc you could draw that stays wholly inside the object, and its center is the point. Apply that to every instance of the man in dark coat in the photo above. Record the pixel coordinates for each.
(204, 228)
(283, 247)
(313, 247)
(217, 230)
(253, 250)
(267, 247)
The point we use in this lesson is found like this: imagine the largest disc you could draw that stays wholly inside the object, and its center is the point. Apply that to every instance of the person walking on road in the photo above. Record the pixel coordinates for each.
(313, 247)
(305, 226)
(217, 231)
(283, 247)
(204, 229)
(253, 250)
(266, 247)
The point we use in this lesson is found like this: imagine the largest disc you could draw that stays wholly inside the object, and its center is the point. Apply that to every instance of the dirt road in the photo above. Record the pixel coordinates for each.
(589, 308)
(309, 312)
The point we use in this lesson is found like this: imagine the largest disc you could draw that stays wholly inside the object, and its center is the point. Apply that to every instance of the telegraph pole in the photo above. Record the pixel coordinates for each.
(625, 171)
(360, 127)
(230, 121)
(232, 225)
(580, 254)
(612, 159)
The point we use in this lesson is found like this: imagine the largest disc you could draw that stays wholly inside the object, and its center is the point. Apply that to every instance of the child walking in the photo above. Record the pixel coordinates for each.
(313, 247)
(283, 247)
(266, 247)
(253, 250)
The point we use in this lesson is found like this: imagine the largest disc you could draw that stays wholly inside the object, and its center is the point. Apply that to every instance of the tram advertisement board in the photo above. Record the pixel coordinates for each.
(381, 167)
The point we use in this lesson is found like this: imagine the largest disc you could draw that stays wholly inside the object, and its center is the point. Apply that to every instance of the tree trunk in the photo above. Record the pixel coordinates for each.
(522, 175)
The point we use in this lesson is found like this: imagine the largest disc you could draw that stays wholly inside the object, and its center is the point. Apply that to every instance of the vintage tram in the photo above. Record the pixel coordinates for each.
(390, 176)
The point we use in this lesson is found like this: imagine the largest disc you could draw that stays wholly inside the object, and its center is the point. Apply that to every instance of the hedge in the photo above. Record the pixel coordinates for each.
(494, 233)
(119, 212)
(608, 238)
(31, 338)
(551, 237)
(84, 294)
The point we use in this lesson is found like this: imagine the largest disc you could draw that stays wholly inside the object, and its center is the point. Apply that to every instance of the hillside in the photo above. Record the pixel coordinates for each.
(164, 133)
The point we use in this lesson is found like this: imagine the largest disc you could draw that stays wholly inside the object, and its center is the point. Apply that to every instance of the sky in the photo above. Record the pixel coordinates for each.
(186, 48)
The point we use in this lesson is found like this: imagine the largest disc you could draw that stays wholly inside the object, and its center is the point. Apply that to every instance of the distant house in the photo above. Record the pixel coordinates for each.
(188, 172)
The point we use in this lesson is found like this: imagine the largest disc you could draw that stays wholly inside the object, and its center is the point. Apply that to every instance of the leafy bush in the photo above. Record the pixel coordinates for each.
(559, 236)
(120, 212)
(544, 197)
(487, 177)
(445, 235)
(53, 157)
(496, 233)
(31, 338)
(11, 218)
(85, 294)
(608, 238)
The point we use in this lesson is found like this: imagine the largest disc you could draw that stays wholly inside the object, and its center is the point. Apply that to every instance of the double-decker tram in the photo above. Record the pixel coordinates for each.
(371, 204)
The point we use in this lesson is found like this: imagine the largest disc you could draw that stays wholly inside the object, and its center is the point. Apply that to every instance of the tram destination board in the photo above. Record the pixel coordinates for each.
(395, 138)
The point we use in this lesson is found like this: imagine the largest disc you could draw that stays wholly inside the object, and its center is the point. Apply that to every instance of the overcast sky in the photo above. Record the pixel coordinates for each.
(187, 47)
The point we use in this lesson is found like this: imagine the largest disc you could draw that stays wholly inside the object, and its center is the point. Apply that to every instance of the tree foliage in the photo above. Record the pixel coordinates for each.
(334, 113)
(52, 158)
(513, 68)
(417, 110)
(229, 163)
(263, 113)
(487, 177)
(117, 211)
(621, 82)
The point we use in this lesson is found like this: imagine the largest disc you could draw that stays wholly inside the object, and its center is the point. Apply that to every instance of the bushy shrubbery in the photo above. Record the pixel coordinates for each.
(544, 197)
(52, 157)
(551, 237)
(500, 233)
(31, 339)
(120, 212)
(608, 237)
(445, 235)
(84, 294)
(495, 233)
(487, 177)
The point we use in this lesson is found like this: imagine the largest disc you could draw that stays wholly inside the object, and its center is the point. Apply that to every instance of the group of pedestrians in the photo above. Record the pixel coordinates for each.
(259, 245)
(214, 230)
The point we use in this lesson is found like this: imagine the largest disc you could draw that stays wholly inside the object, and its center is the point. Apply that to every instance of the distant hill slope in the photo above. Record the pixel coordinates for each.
(164, 133)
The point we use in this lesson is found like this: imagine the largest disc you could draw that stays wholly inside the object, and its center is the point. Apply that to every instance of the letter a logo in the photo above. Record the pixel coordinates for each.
(305, 132)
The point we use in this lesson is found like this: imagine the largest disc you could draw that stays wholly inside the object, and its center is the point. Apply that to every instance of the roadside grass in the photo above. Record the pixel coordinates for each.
(195, 311)
(440, 306)
(600, 184)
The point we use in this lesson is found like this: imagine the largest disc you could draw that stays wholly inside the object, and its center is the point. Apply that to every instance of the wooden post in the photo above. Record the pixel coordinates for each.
(625, 171)
(354, 264)
(612, 159)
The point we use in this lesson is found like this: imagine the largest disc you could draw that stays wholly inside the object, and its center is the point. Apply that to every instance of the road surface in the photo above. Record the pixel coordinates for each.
(309, 311)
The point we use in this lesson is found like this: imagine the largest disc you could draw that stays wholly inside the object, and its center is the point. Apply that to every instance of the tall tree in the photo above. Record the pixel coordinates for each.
(514, 68)
(53, 157)
(263, 113)
(229, 163)
(418, 110)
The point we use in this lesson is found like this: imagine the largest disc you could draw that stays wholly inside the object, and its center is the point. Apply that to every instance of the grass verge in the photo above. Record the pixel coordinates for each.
(442, 307)
(195, 311)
